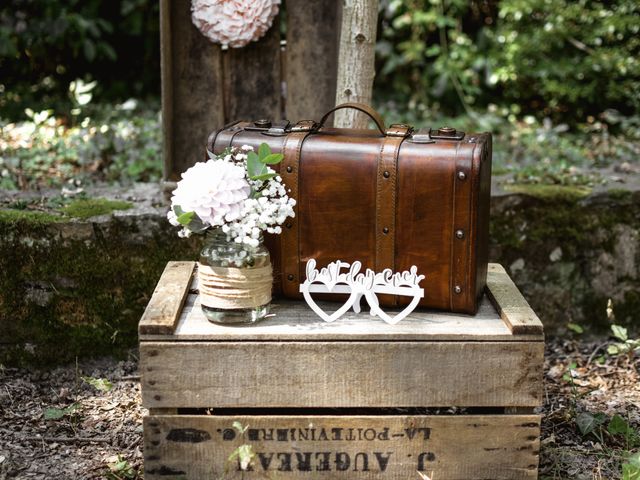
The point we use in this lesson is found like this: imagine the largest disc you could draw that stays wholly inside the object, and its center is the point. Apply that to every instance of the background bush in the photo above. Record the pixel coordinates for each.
(563, 59)
(556, 81)
(47, 44)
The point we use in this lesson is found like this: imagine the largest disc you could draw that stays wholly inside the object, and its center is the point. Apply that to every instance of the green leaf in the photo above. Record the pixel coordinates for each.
(254, 166)
(618, 426)
(631, 469)
(272, 159)
(186, 218)
(58, 413)
(263, 151)
(264, 176)
(613, 349)
(239, 428)
(101, 384)
(587, 422)
(575, 328)
(244, 454)
(89, 49)
(619, 332)
(634, 459)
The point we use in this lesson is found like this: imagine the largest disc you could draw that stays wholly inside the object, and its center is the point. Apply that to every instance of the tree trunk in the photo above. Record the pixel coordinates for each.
(356, 57)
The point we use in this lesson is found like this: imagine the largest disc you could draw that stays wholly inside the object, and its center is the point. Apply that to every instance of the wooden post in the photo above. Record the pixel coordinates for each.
(191, 88)
(356, 67)
(311, 58)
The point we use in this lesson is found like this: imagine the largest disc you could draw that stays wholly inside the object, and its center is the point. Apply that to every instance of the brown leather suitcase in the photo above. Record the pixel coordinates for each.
(390, 197)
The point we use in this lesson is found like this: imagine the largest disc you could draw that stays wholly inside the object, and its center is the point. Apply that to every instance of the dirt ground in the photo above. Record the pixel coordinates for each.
(67, 423)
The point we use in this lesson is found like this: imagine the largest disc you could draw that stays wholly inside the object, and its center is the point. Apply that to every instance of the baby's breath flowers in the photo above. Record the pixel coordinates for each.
(236, 192)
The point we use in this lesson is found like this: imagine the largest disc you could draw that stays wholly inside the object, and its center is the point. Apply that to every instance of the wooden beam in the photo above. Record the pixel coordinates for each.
(313, 30)
(192, 88)
(163, 310)
(253, 82)
(512, 306)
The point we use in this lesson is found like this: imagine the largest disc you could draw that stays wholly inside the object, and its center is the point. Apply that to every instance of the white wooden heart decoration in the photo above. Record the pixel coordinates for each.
(331, 279)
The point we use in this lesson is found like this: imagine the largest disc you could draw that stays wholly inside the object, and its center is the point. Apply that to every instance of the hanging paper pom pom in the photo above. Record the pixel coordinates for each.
(233, 23)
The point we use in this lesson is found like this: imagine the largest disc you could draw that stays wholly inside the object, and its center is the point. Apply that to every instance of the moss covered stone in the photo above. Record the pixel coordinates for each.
(77, 287)
(31, 217)
(71, 288)
(552, 192)
(570, 252)
(93, 207)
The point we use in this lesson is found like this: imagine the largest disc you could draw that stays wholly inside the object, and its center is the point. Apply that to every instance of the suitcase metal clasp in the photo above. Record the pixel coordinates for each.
(399, 130)
(304, 126)
(446, 133)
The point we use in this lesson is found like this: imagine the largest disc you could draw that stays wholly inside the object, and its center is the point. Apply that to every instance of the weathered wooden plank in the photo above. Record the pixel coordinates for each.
(163, 310)
(465, 447)
(341, 374)
(192, 86)
(293, 320)
(313, 29)
(253, 81)
(512, 306)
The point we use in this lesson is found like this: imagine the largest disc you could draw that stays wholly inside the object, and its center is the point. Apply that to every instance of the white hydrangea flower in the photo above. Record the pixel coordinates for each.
(220, 194)
(233, 23)
(212, 189)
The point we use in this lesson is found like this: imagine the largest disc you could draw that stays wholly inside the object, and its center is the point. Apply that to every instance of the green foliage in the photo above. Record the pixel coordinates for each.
(631, 468)
(564, 59)
(625, 345)
(47, 44)
(120, 469)
(567, 56)
(244, 454)
(100, 384)
(59, 413)
(575, 327)
(257, 162)
(110, 143)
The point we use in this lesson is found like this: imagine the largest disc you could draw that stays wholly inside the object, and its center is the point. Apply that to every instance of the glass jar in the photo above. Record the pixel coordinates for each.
(235, 280)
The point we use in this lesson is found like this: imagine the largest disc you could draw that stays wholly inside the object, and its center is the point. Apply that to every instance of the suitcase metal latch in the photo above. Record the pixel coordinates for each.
(267, 127)
(399, 130)
(446, 133)
(304, 126)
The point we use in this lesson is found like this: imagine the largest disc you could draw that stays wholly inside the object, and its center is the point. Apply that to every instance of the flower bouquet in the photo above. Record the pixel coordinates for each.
(233, 198)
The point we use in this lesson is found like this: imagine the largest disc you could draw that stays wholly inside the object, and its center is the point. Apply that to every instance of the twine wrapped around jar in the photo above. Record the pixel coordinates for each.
(234, 288)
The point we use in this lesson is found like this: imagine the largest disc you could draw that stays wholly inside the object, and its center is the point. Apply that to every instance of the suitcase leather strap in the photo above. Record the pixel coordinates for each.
(289, 239)
(386, 193)
(459, 290)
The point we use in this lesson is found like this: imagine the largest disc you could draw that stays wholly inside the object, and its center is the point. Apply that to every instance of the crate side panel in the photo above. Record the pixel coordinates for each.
(341, 374)
(500, 447)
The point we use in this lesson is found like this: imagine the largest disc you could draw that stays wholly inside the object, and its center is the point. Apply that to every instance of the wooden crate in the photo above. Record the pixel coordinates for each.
(354, 399)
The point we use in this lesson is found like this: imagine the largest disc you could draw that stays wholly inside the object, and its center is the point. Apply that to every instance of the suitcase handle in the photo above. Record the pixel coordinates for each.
(361, 107)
